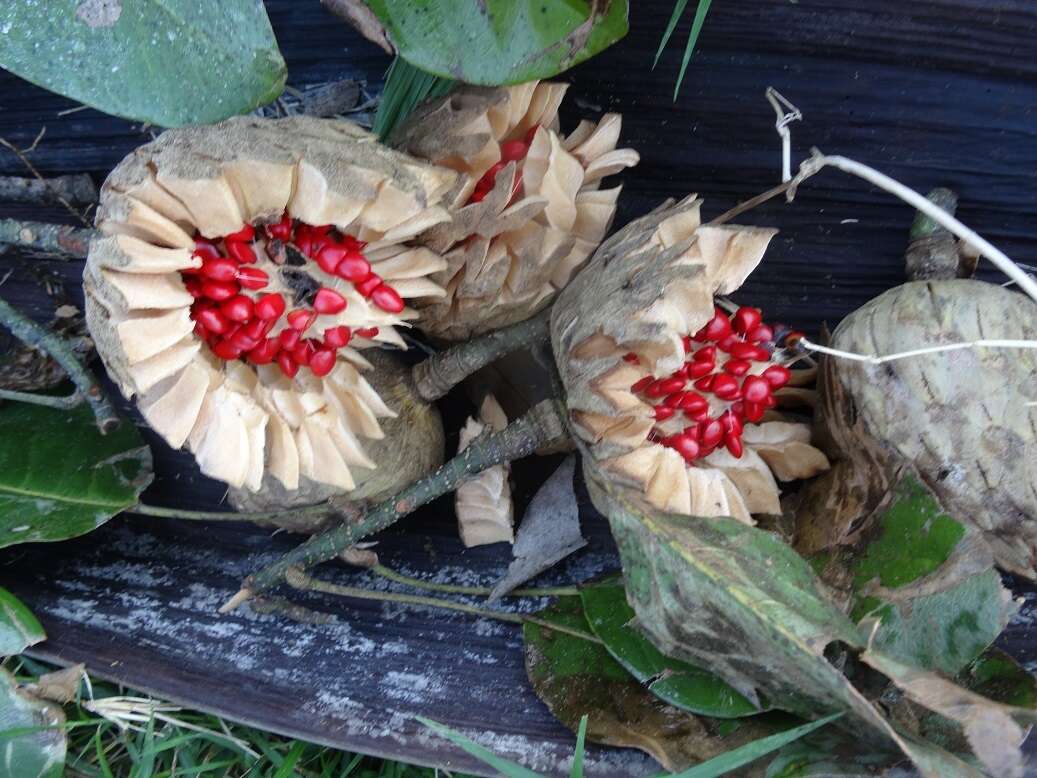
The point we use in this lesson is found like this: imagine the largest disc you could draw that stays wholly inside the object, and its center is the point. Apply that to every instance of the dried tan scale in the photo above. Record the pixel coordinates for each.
(197, 184)
(527, 208)
(483, 504)
(965, 419)
(659, 276)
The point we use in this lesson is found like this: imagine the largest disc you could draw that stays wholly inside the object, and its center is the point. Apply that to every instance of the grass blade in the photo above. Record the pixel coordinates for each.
(742, 755)
(508, 769)
(675, 17)
(287, 766)
(405, 87)
(693, 37)
(581, 736)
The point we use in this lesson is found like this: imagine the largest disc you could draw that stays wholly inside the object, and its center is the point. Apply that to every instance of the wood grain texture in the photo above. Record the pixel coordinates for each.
(933, 93)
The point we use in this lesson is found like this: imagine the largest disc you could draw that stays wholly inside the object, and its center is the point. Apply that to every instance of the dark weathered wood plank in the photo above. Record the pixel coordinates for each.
(933, 93)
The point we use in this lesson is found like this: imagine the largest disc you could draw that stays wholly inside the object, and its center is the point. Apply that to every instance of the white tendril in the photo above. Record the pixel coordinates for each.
(918, 352)
(786, 113)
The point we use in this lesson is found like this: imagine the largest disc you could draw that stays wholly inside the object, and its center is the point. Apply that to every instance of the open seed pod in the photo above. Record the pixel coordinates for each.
(964, 420)
(483, 504)
(667, 395)
(527, 209)
(242, 270)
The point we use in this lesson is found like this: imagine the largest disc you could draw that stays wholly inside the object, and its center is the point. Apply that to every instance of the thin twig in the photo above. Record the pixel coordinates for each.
(28, 331)
(441, 372)
(78, 188)
(542, 425)
(62, 403)
(161, 511)
(749, 204)
(297, 579)
(61, 239)
(477, 591)
(32, 169)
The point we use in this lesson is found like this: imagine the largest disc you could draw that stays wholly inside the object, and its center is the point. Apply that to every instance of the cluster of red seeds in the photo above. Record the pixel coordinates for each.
(740, 341)
(236, 325)
(510, 151)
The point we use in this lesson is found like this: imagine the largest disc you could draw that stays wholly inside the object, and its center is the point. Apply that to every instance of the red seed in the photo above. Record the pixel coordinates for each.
(706, 354)
(711, 432)
(746, 319)
(368, 333)
(693, 402)
(631, 358)
(200, 331)
(238, 308)
(336, 337)
(699, 369)
(727, 343)
(242, 252)
(328, 301)
(637, 387)
(212, 320)
(731, 422)
(252, 277)
(353, 267)
(685, 446)
(755, 389)
(193, 287)
(221, 269)
(705, 384)
(719, 326)
(725, 386)
(770, 402)
(287, 364)
(386, 298)
(761, 334)
(322, 361)
(672, 384)
(753, 412)
(737, 366)
(264, 353)
(531, 133)
(662, 412)
(329, 256)
(256, 329)
(206, 250)
(513, 150)
(352, 243)
(477, 196)
(224, 349)
(682, 371)
(289, 338)
(219, 290)
(692, 432)
(777, 376)
(270, 306)
(734, 444)
(489, 178)
(686, 342)
(304, 240)
(369, 284)
(281, 230)
(301, 318)
(655, 389)
(303, 351)
(750, 351)
(246, 233)
(674, 400)
(242, 341)
(698, 414)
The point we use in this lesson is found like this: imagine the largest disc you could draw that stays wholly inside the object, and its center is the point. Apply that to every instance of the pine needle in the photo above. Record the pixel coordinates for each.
(405, 88)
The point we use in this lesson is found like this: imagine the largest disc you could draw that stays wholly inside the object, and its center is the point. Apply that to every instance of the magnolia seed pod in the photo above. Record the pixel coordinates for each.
(412, 448)
(527, 206)
(242, 270)
(669, 396)
(964, 420)
(483, 504)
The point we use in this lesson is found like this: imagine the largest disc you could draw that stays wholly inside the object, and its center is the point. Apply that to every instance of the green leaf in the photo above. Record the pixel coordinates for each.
(405, 87)
(576, 678)
(59, 477)
(999, 677)
(19, 629)
(919, 573)
(32, 740)
(581, 736)
(494, 42)
(678, 11)
(508, 769)
(693, 37)
(750, 752)
(168, 62)
(678, 683)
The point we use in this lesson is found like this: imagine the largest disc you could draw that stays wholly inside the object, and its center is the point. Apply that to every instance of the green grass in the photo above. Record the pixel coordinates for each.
(197, 745)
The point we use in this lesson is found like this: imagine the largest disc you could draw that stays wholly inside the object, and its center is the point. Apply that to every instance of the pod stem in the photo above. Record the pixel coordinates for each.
(161, 511)
(61, 240)
(542, 425)
(58, 190)
(441, 372)
(28, 331)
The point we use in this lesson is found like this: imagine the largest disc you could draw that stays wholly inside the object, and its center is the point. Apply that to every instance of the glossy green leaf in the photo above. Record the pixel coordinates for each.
(32, 741)
(578, 678)
(494, 42)
(999, 677)
(19, 629)
(679, 683)
(168, 62)
(59, 477)
(917, 573)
